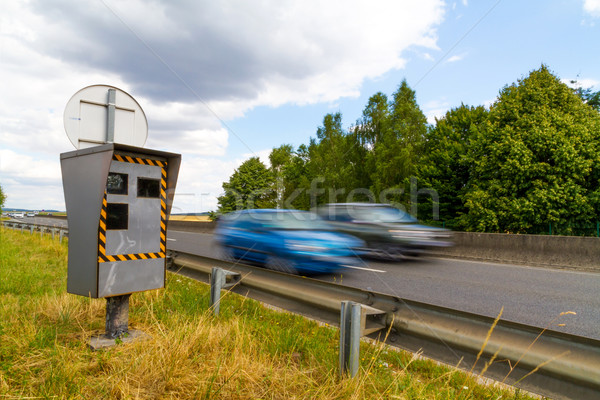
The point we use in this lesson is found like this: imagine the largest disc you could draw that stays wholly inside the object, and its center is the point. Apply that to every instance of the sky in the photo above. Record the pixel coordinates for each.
(222, 81)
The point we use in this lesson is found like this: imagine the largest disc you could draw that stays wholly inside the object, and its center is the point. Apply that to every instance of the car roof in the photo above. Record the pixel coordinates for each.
(269, 210)
(358, 205)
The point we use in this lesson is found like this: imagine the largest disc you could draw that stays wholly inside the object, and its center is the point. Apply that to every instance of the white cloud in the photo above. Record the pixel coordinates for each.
(427, 56)
(592, 7)
(199, 183)
(581, 83)
(455, 58)
(488, 103)
(191, 65)
(31, 182)
(435, 109)
(200, 180)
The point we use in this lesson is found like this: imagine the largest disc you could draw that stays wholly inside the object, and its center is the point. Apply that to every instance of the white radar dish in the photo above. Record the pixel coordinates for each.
(100, 114)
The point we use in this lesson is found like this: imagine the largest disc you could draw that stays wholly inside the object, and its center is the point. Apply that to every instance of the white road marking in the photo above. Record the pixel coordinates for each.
(365, 269)
(173, 240)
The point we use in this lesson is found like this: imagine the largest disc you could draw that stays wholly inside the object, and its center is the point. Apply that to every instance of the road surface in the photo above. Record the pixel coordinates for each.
(528, 295)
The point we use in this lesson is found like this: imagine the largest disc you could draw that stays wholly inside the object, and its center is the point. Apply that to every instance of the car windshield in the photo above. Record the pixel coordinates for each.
(292, 220)
(383, 214)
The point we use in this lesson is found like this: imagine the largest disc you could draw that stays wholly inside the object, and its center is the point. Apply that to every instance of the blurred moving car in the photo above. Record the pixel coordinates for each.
(285, 240)
(388, 232)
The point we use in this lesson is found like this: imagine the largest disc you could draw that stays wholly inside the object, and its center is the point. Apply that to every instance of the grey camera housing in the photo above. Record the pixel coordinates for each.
(118, 200)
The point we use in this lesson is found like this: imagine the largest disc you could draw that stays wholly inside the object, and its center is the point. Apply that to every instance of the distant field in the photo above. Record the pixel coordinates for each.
(192, 218)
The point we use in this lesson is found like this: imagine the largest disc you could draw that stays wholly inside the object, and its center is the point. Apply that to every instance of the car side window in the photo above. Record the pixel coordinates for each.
(340, 215)
(254, 226)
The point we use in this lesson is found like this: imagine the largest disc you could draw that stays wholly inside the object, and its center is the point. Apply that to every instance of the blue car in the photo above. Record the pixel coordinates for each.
(290, 241)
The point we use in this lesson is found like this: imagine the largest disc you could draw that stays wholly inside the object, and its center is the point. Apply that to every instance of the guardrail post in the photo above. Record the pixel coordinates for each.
(350, 324)
(220, 279)
(22, 226)
(60, 236)
(31, 229)
(41, 231)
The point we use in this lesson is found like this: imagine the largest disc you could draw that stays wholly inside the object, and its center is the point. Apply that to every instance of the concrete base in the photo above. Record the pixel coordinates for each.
(100, 342)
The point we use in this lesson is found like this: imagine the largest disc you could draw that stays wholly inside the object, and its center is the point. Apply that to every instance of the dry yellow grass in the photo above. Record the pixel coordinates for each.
(190, 218)
(248, 352)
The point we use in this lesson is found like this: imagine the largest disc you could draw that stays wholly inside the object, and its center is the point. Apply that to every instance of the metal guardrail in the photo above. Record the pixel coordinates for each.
(32, 227)
(549, 363)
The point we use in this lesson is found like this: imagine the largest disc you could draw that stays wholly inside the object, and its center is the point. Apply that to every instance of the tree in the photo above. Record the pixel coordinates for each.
(447, 166)
(250, 186)
(2, 198)
(375, 121)
(537, 161)
(328, 160)
(397, 151)
(592, 99)
(280, 159)
(365, 135)
(588, 96)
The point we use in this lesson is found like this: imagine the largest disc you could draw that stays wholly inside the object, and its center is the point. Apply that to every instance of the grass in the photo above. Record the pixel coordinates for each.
(248, 352)
(191, 218)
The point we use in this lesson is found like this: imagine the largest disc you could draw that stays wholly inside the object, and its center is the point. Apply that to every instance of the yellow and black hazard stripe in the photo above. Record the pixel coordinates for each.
(163, 210)
(127, 257)
(102, 256)
(138, 160)
(102, 229)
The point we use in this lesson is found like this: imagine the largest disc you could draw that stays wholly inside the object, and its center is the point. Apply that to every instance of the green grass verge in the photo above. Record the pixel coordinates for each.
(248, 352)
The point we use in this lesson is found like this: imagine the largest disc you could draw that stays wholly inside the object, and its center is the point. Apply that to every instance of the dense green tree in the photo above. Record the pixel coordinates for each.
(374, 122)
(280, 158)
(292, 178)
(298, 180)
(250, 186)
(537, 161)
(446, 166)
(589, 97)
(368, 131)
(328, 161)
(397, 151)
(2, 198)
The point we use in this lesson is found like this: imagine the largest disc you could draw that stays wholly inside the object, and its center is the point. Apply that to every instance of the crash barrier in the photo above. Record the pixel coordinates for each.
(546, 362)
(571, 252)
(574, 252)
(55, 231)
(192, 226)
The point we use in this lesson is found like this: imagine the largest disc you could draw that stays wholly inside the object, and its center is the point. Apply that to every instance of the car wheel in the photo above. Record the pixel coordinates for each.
(385, 251)
(395, 253)
(281, 264)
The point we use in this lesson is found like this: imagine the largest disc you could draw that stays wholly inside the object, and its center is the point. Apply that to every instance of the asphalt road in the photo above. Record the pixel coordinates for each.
(57, 222)
(528, 295)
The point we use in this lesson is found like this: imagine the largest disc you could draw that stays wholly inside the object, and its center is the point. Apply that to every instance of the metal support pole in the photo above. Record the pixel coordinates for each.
(22, 226)
(117, 316)
(61, 234)
(350, 323)
(31, 229)
(110, 127)
(218, 281)
(53, 233)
